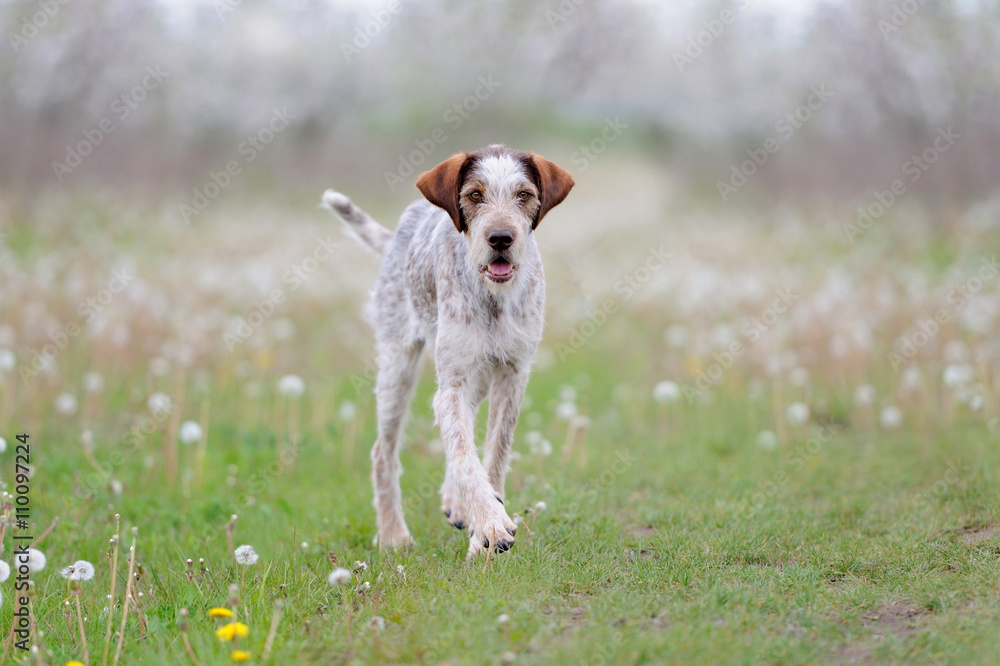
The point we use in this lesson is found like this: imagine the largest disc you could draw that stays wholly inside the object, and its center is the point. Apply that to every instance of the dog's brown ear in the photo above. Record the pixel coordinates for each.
(554, 183)
(440, 186)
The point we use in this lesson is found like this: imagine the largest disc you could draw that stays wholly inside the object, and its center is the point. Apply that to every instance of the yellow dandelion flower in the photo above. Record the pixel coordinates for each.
(240, 655)
(74, 663)
(220, 612)
(229, 631)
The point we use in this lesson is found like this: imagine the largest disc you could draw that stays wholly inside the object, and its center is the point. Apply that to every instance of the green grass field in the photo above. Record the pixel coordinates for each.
(662, 540)
(722, 529)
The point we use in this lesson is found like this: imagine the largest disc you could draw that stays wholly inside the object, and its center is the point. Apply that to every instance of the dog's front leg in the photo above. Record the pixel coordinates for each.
(506, 394)
(468, 496)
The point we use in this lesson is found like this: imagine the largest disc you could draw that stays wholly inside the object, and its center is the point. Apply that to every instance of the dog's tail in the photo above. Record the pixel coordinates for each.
(367, 231)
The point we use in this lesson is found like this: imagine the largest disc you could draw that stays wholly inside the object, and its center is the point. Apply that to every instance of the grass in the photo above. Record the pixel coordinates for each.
(662, 540)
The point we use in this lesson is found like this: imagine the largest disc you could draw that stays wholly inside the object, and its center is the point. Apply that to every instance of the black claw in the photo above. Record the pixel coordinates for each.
(504, 546)
(486, 544)
(514, 533)
(499, 500)
(447, 513)
(458, 525)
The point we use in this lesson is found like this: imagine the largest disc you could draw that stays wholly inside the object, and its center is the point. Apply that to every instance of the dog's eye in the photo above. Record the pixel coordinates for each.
(524, 195)
(475, 195)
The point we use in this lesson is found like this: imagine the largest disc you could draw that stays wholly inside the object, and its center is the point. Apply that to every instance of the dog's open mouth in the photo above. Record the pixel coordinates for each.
(499, 270)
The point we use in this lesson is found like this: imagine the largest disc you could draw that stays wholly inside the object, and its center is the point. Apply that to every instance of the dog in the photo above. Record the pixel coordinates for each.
(462, 277)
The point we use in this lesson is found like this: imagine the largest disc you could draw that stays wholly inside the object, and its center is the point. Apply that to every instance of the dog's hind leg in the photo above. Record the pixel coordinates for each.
(394, 387)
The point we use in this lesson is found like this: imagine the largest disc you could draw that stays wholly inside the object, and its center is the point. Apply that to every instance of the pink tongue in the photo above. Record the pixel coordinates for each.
(500, 268)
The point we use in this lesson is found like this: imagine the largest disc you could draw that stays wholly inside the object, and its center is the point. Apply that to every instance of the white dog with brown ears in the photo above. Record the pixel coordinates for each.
(461, 275)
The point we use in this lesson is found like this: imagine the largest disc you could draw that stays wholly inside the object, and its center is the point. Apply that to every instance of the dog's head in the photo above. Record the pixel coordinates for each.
(496, 197)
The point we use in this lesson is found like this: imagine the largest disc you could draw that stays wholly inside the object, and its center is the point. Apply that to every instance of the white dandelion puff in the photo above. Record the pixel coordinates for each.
(956, 374)
(348, 411)
(79, 571)
(797, 413)
(93, 382)
(66, 404)
(190, 432)
(35, 560)
(540, 506)
(3, 444)
(159, 402)
(864, 394)
(291, 386)
(246, 555)
(666, 391)
(4, 571)
(566, 410)
(339, 577)
(890, 418)
(503, 619)
(767, 440)
(360, 566)
(7, 360)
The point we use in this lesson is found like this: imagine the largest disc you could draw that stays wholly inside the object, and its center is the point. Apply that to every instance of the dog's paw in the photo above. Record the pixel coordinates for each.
(452, 507)
(491, 528)
(395, 539)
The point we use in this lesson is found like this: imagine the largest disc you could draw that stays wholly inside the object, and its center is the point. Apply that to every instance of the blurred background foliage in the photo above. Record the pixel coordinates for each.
(897, 71)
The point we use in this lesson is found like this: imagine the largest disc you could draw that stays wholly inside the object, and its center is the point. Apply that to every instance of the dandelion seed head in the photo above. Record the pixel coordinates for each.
(767, 440)
(890, 418)
(339, 577)
(541, 506)
(36, 560)
(4, 571)
(190, 432)
(566, 410)
(291, 386)
(159, 403)
(864, 394)
(666, 391)
(93, 382)
(246, 555)
(66, 404)
(797, 414)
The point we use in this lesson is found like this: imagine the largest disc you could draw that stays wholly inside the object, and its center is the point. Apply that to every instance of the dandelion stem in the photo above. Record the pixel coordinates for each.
(114, 579)
(273, 631)
(128, 595)
(203, 444)
(83, 634)
(189, 650)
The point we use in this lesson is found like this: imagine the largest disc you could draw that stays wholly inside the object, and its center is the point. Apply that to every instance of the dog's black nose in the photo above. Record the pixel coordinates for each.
(500, 240)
